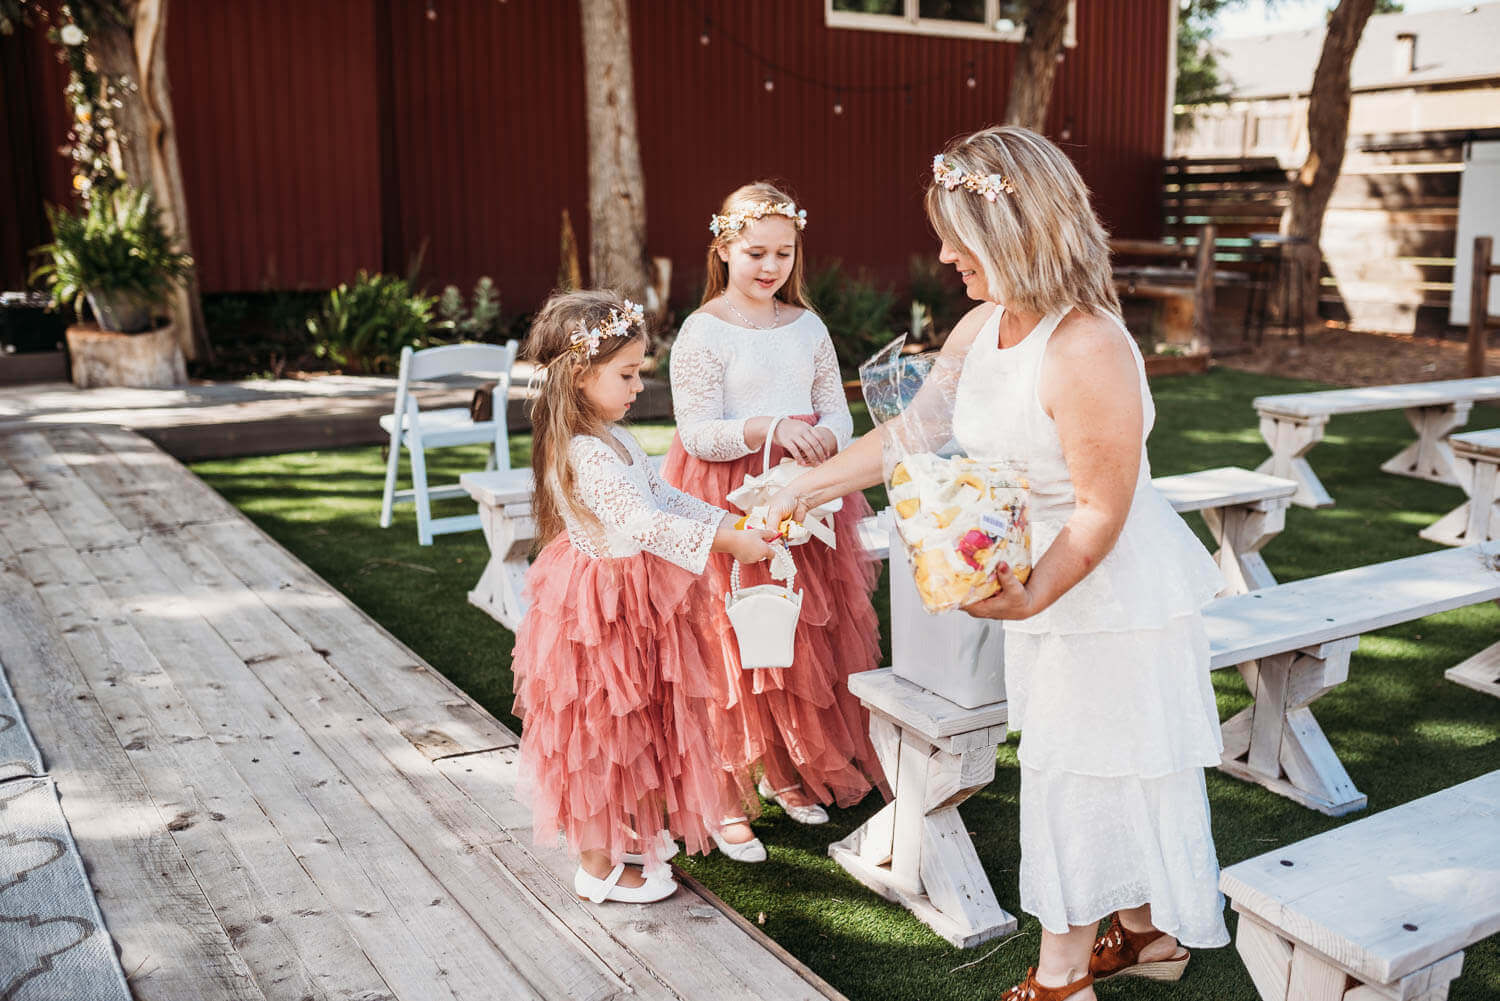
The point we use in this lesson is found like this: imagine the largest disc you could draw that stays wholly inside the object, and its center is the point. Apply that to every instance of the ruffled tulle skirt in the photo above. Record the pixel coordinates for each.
(615, 689)
(800, 723)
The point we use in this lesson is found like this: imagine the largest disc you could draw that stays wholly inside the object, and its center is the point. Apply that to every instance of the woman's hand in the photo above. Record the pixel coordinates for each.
(1012, 601)
(787, 504)
(803, 442)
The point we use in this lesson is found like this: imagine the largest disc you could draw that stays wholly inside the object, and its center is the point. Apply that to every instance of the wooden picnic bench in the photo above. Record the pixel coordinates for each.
(1476, 458)
(1292, 644)
(1378, 910)
(1293, 423)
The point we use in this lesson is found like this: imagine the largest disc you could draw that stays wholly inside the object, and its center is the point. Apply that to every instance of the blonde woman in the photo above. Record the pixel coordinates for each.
(755, 362)
(1107, 668)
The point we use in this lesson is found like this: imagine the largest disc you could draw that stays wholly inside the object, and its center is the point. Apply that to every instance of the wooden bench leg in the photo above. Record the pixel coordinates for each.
(1277, 742)
(916, 850)
(1430, 457)
(1291, 438)
(1241, 530)
(1284, 969)
(499, 591)
(1480, 672)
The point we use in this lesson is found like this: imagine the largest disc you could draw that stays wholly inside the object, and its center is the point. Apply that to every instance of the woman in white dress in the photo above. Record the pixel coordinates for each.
(1107, 665)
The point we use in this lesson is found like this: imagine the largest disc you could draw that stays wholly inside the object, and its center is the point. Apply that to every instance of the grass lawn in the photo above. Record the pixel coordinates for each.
(1400, 728)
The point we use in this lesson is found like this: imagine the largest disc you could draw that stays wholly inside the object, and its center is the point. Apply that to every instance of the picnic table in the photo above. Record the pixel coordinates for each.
(1476, 458)
(1293, 423)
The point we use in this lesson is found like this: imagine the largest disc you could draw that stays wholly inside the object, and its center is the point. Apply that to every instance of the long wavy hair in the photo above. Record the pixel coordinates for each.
(560, 411)
(794, 289)
(1042, 247)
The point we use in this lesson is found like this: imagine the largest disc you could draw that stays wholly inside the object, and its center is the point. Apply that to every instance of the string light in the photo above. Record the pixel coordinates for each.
(703, 38)
(972, 80)
(770, 84)
(431, 11)
(838, 103)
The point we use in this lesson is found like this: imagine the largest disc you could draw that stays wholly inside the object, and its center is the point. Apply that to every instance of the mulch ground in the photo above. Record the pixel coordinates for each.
(1344, 357)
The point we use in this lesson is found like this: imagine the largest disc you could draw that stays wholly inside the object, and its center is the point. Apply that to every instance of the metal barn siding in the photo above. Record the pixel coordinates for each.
(320, 138)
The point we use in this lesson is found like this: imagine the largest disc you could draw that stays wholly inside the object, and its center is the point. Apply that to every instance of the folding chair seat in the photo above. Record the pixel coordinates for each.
(418, 430)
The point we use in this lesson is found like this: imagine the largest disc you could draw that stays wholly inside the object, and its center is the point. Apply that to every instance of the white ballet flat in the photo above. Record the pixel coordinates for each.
(599, 890)
(749, 851)
(811, 814)
(657, 857)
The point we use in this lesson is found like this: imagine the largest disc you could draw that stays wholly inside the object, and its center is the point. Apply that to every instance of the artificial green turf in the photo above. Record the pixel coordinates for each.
(1400, 728)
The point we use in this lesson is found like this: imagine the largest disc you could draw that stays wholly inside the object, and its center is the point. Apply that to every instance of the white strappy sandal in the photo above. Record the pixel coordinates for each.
(599, 890)
(748, 851)
(809, 813)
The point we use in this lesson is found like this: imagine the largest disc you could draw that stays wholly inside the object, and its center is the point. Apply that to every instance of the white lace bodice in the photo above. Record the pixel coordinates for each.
(639, 511)
(722, 375)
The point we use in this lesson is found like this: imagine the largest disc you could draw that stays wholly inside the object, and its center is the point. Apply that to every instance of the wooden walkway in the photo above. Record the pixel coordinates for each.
(260, 416)
(274, 798)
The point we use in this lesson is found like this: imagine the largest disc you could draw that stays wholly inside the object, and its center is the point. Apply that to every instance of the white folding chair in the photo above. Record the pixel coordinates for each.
(419, 430)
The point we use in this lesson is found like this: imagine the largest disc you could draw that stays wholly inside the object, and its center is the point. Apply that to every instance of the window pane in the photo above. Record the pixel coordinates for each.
(953, 10)
(1011, 14)
(896, 7)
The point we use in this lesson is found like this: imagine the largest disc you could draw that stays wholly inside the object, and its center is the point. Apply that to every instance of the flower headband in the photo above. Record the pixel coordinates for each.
(733, 222)
(991, 186)
(584, 341)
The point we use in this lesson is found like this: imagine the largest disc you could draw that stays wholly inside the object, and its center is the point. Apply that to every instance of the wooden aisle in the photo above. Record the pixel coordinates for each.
(274, 798)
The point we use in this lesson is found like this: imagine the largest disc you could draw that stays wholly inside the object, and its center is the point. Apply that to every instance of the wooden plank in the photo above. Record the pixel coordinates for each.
(1372, 398)
(375, 879)
(1266, 955)
(80, 515)
(274, 914)
(914, 708)
(435, 714)
(1221, 487)
(1486, 442)
(689, 942)
(171, 945)
(1388, 894)
(1309, 612)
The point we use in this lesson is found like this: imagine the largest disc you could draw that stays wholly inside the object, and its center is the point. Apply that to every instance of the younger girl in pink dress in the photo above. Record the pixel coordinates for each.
(612, 679)
(754, 352)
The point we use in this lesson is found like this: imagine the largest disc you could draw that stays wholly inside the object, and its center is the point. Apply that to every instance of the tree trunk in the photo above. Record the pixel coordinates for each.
(137, 50)
(1327, 134)
(617, 183)
(1036, 64)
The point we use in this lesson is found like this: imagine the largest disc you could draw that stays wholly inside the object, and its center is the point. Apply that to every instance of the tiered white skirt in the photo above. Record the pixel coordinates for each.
(1110, 690)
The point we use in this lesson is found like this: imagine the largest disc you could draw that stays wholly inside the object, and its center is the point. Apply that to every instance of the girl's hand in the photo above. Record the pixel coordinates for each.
(803, 442)
(1010, 602)
(751, 545)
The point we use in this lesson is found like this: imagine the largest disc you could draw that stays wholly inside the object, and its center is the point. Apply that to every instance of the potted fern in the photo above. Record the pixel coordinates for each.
(116, 255)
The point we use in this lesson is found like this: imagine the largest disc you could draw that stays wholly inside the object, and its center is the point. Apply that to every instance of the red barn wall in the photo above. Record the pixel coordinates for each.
(320, 138)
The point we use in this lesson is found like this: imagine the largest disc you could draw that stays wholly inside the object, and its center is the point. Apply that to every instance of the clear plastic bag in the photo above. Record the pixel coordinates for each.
(958, 518)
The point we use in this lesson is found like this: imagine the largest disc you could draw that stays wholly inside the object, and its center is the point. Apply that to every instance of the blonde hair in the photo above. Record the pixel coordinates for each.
(1041, 248)
(716, 280)
(560, 411)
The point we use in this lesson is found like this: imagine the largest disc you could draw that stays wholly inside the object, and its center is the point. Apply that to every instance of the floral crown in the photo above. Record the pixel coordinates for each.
(584, 341)
(991, 186)
(733, 222)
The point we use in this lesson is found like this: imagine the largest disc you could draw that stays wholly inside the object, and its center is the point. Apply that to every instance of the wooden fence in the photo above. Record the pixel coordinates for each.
(1388, 237)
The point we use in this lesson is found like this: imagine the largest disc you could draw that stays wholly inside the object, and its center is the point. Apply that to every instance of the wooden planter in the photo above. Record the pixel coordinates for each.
(1177, 364)
(142, 361)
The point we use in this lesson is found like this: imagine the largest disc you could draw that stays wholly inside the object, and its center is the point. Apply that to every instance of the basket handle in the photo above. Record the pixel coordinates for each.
(734, 570)
(765, 456)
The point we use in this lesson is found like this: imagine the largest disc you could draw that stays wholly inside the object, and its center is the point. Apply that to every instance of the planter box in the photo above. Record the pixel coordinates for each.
(141, 361)
(1177, 364)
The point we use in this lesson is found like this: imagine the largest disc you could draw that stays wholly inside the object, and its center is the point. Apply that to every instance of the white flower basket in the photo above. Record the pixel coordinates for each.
(764, 618)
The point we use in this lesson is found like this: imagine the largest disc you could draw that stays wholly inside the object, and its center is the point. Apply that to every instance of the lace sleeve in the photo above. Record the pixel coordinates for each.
(672, 500)
(606, 488)
(698, 401)
(828, 399)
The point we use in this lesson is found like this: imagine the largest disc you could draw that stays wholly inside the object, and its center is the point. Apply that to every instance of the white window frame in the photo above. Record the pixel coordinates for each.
(911, 22)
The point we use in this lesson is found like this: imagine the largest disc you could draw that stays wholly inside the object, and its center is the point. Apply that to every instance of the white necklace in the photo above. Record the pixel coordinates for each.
(775, 315)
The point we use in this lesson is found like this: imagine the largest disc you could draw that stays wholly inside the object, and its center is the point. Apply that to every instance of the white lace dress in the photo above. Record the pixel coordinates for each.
(1109, 686)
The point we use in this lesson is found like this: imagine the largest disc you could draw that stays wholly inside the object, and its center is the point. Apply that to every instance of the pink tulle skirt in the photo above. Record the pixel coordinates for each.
(615, 690)
(800, 723)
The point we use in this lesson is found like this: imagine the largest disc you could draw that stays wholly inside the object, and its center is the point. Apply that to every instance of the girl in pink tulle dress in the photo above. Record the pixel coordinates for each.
(613, 680)
(755, 352)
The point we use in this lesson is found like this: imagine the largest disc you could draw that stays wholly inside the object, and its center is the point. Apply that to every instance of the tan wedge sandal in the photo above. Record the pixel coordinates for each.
(1030, 990)
(1117, 954)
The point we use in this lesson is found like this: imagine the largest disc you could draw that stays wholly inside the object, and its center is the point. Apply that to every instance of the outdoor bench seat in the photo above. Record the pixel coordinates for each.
(1381, 909)
(1293, 423)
